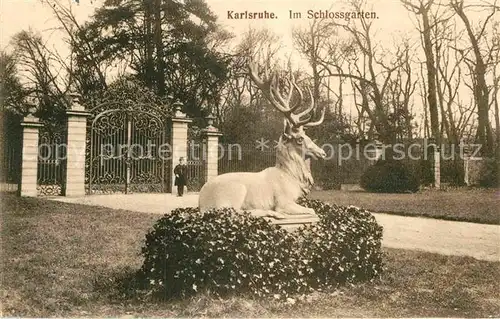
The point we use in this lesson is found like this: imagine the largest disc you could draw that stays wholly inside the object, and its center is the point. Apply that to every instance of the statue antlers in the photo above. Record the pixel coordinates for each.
(270, 88)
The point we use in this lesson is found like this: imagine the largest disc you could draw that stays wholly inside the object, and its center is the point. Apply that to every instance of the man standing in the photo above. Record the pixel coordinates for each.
(180, 172)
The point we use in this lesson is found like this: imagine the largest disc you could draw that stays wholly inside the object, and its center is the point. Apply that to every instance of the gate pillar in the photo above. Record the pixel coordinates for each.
(75, 161)
(29, 156)
(211, 150)
(434, 152)
(179, 140)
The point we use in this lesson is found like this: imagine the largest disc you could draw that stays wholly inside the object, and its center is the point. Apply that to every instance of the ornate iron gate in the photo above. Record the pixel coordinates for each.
(11, 140)
(127, 152)
(52, 152)
(195, 165)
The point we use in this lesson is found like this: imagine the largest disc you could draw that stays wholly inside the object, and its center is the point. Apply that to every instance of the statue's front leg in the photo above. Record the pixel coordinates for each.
(267, 213)
(293, 208)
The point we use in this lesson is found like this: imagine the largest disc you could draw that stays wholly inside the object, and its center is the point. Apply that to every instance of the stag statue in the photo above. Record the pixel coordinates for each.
(274, 191)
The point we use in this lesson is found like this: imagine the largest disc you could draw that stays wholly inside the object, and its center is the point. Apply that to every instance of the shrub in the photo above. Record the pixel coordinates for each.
(344, 246)
(389, 176)
(452, 172)
(220, 250)
(328, 182)
(226, 251)
(424, 171)
(326, 175)
(489, 174)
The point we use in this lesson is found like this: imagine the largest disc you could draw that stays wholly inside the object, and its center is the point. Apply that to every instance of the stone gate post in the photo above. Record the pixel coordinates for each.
(75, 147)
(435, 158)
(179, 139)
(29, 156)
(211, 150)
(437, 168)
(465, 153)
(379, 151)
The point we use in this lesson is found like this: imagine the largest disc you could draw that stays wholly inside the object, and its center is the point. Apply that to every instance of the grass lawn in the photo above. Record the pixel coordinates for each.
(64, 260)
(472, 205)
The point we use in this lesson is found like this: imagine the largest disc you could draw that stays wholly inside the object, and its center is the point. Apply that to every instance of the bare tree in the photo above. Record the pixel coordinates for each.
(86, 69)
(480, 64)
(259, 46)
(422, 89)
(44, 81)
(12, 92)
(242, 103)
(400, 92)
(374, 73)
(422, 8)
(313, 43)
(494, 49)
(455, 116)
(322, 46)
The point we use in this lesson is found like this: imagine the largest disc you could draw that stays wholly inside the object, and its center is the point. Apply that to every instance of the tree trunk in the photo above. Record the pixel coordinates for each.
(481, 94)
(160, 69)
(496, 88)
(431, 78)
(148, 44)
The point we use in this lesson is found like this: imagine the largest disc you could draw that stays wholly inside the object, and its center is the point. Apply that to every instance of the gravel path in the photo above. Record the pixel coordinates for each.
(439, 236)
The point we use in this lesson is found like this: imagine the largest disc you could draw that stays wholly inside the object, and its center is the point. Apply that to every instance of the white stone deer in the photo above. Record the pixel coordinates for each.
(274, 191)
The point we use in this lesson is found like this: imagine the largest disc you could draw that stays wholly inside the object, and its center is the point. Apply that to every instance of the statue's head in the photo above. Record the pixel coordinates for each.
(294, 137)
(296, 140)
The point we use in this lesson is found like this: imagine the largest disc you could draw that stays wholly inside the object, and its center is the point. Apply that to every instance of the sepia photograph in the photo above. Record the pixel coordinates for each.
(250, 159)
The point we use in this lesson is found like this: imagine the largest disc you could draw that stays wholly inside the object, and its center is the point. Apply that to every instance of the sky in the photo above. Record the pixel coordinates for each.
(16, 15)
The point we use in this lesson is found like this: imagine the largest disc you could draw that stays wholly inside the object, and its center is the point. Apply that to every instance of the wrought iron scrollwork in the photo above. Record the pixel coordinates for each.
(49, 189)
(146, 181)
(52, 152)
(123, 152)
(149, 126)
(109, 123)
